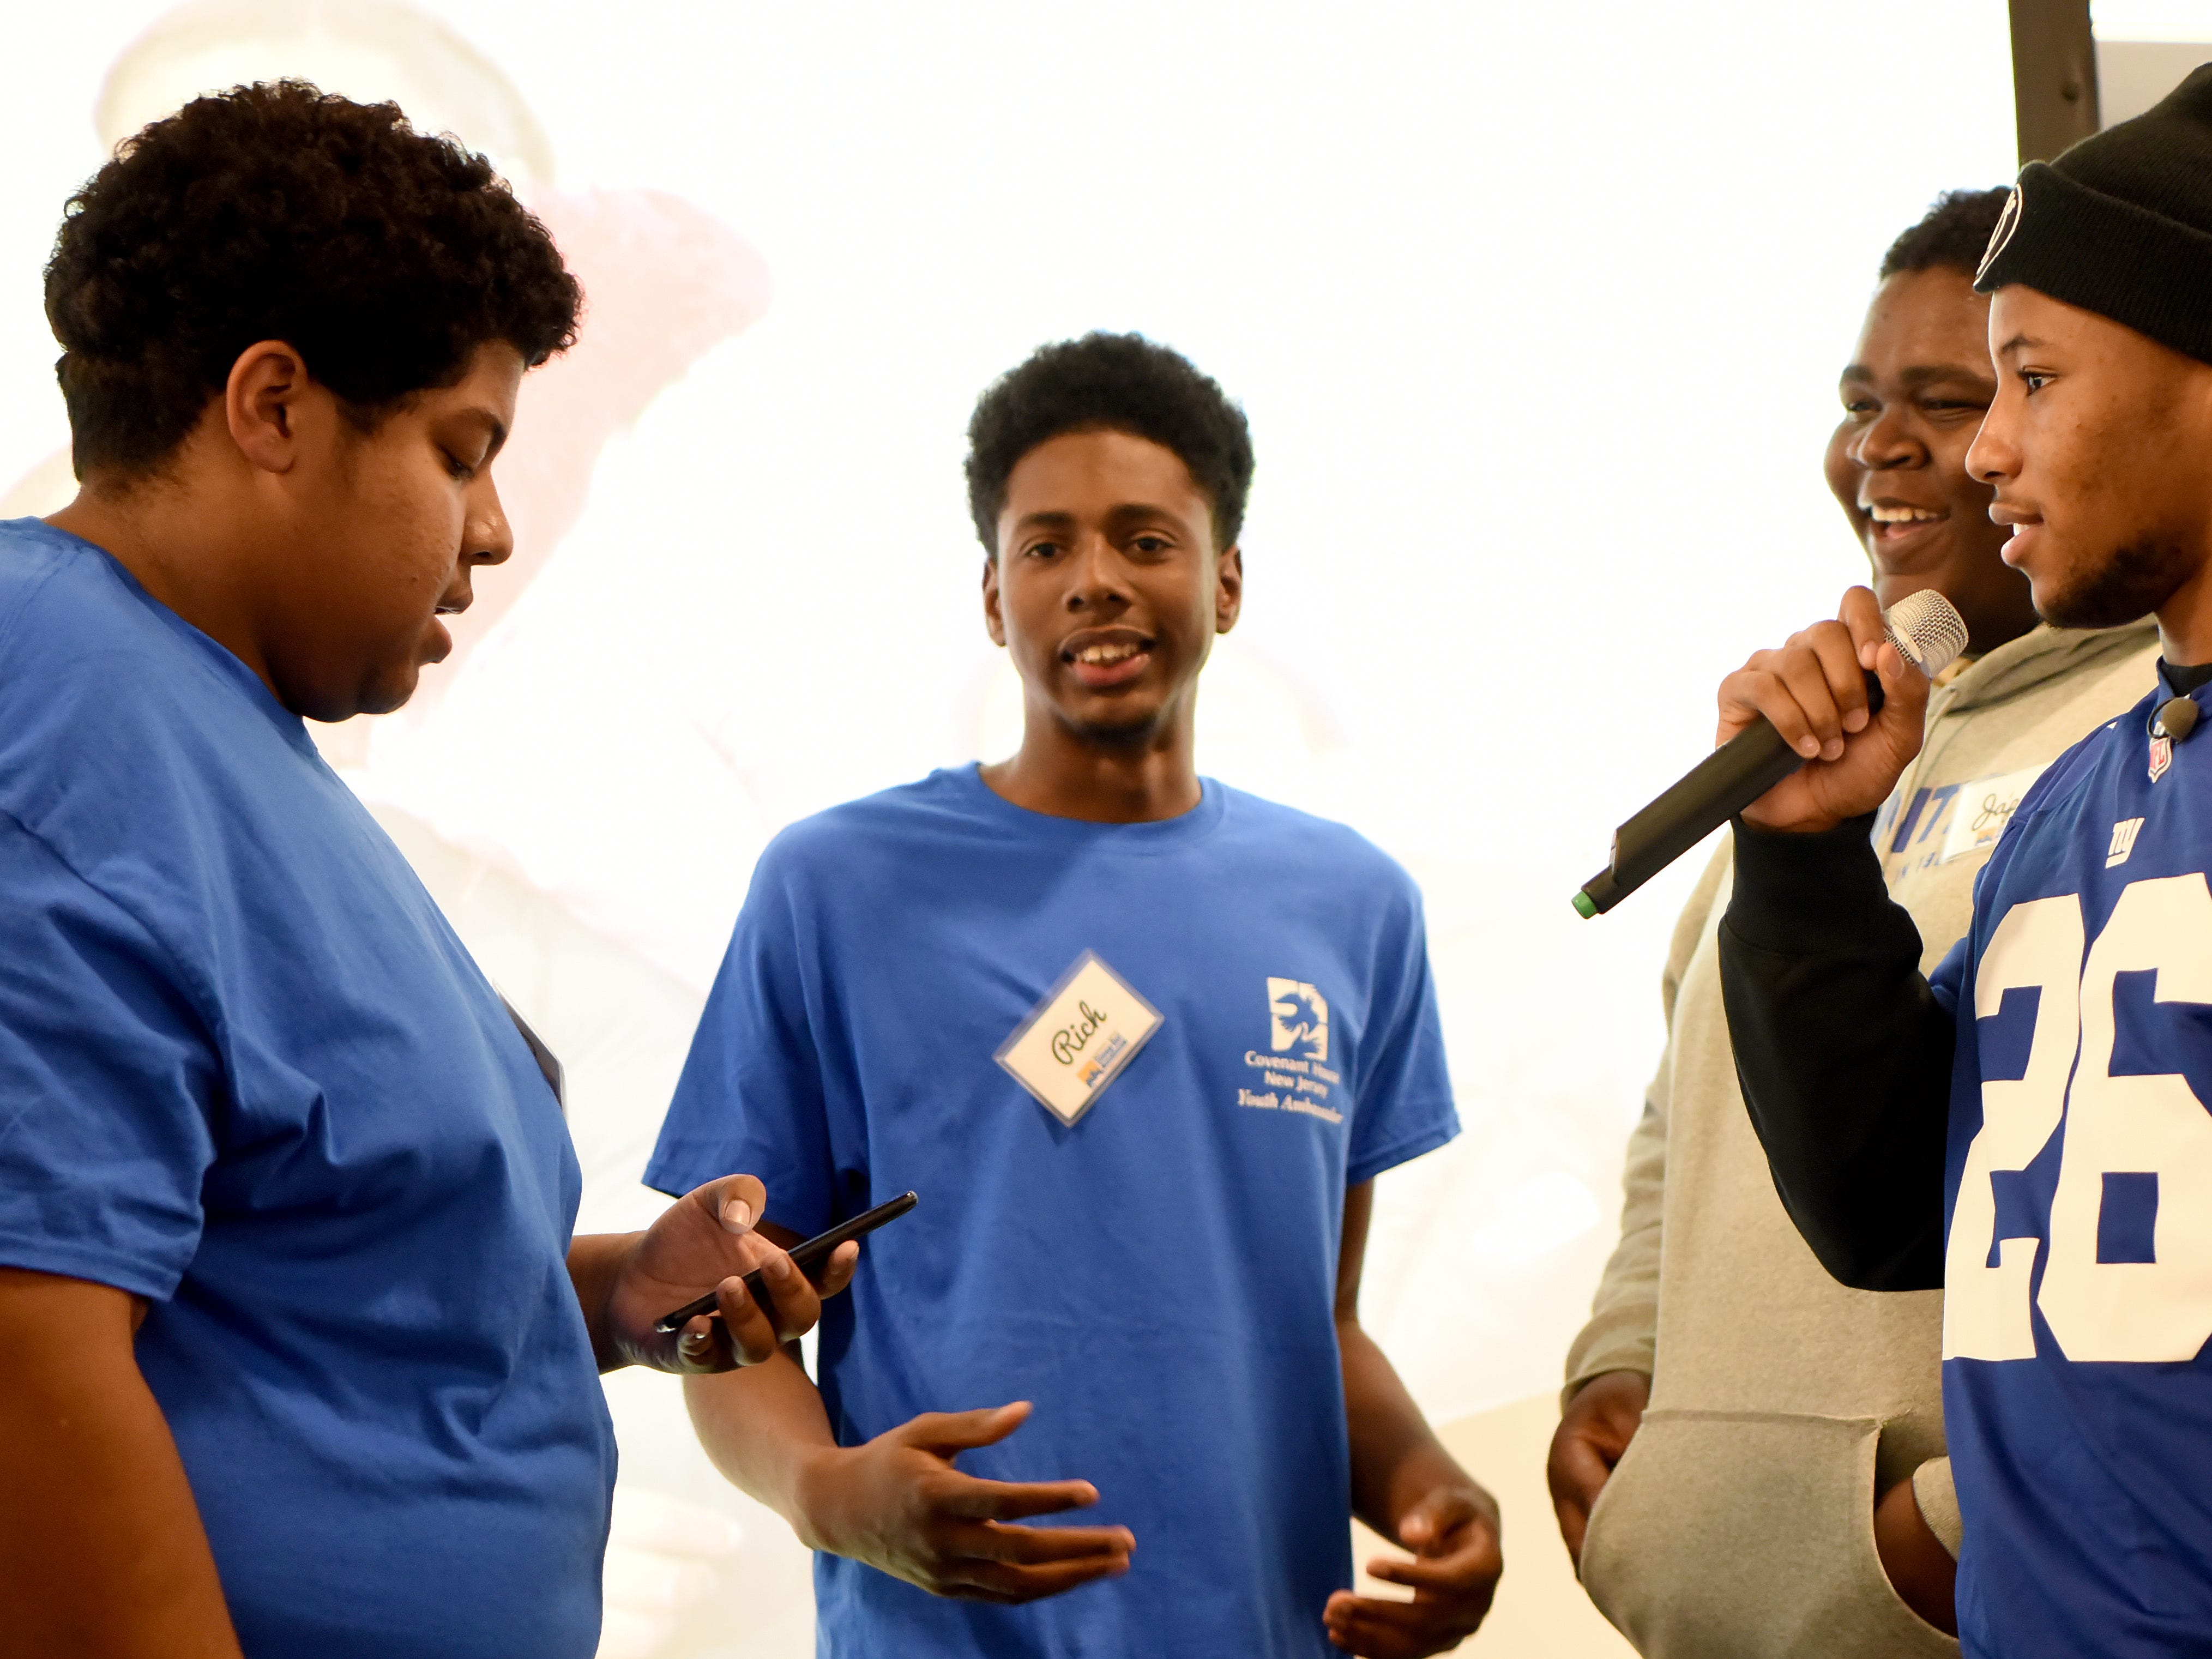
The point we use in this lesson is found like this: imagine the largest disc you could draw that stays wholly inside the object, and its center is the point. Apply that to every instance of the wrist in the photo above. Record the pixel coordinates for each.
(1609, 1377)
(809, 1497)
(596, 1263)
(1603, 1388)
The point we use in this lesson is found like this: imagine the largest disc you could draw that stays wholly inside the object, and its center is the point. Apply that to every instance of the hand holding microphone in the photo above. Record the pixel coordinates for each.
(1846, 699)
(1810, 735)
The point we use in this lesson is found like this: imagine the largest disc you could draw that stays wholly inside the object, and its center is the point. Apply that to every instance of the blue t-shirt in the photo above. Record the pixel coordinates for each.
(1159, 1277)
(2077, 1393)
(248, 1073)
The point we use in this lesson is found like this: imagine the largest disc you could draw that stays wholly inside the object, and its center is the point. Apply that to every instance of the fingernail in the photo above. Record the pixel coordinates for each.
(1855, 720)
(1832, 749)
(1809, 747)
(781, 1271)
(737, 1215)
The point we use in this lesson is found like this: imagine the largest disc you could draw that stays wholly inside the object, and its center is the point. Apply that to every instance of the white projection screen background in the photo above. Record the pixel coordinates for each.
(1536, 311)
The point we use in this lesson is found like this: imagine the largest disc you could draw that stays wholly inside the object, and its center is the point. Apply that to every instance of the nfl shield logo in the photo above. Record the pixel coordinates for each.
(2161, 756)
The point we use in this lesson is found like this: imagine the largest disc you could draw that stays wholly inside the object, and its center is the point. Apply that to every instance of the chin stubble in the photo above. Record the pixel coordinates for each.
(1135, 733)
(2132, 583)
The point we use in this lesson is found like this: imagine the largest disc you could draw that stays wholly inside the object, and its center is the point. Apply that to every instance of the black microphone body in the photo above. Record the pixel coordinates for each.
(1707, 796)
(1928, 632)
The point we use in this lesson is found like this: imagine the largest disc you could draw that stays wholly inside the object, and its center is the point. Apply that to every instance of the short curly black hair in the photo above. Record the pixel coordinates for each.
(1954, 232)
(280, 212)
(1109, 382)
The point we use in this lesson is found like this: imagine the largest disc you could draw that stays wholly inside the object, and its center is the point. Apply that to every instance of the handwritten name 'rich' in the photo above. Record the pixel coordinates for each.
(1069, 1042)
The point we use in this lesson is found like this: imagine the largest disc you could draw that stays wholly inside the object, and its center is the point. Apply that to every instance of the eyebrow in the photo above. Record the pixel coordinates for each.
(1121, 513)
(1921, 374)
(2018, 343)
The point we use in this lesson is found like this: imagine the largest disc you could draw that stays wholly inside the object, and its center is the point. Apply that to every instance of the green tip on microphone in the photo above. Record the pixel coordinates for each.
(1585, 906)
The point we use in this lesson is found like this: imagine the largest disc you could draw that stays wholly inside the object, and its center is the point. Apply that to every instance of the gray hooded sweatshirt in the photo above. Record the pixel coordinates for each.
(1740, 1523)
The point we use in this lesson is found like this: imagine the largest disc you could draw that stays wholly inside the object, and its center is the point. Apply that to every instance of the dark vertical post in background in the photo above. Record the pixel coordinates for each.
(2054, 75)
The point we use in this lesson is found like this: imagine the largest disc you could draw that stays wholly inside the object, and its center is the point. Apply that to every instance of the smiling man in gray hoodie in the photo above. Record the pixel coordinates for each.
(1750, 1461)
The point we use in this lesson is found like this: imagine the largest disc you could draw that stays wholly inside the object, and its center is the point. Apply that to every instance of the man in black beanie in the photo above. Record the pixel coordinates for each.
(2025, 1127)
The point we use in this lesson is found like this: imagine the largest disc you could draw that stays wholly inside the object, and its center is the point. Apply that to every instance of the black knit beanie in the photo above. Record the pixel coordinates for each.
(2121, 224)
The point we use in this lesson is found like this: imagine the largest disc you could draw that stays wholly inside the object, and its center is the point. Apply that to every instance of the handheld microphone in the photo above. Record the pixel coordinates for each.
(1927, 632)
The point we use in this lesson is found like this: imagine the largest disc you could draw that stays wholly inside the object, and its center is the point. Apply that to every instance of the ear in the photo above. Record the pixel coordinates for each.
(994, 621)
(262, 405)
(1228, 590)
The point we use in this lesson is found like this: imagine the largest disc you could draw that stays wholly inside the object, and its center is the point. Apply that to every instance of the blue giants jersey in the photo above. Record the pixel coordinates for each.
(2077, 1391)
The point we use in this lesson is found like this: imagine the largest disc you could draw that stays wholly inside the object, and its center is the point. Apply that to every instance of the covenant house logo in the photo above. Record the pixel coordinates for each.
(1296, 1072)
(1300, 1018)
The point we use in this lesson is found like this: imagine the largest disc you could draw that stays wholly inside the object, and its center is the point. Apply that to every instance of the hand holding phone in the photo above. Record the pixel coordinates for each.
(805, 1257)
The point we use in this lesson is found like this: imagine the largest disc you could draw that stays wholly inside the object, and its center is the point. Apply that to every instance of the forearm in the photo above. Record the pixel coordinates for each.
(594, 1261)
(1842, 1051)
(102, 1554)
(765, 1429)
(1397, 1458)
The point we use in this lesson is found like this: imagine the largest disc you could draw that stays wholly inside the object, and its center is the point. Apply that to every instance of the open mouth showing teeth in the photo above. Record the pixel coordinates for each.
(1904, 515)
(1105, 655)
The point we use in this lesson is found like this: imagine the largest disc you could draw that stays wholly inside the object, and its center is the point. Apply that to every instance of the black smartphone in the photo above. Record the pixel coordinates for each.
(805, 1257)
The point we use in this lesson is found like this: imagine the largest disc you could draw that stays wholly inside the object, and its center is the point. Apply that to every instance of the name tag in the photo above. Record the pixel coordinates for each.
(1079, 1038)
(1983, 809)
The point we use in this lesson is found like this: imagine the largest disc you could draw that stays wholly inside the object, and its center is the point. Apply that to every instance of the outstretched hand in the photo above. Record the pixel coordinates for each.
(1813, 691)
(898, 1504)
(706, 1241)
(1454, 1536)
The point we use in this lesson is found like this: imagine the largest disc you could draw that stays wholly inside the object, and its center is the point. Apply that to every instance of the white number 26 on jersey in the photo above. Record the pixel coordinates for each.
(2160, 1309)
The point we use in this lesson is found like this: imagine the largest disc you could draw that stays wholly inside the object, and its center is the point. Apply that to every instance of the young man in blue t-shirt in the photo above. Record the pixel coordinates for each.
(299, 1355)
(1141, 1044)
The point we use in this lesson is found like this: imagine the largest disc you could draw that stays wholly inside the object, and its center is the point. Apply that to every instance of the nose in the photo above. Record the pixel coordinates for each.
(1889, 443)
(1095, 581)
(1993, 456)
(486, 536)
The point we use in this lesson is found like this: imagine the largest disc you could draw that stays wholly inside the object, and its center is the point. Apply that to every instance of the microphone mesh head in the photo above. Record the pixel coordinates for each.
(1928, 629)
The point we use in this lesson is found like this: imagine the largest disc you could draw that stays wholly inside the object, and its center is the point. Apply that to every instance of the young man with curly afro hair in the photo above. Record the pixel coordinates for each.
(1142, 1043)
(301, 1356)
